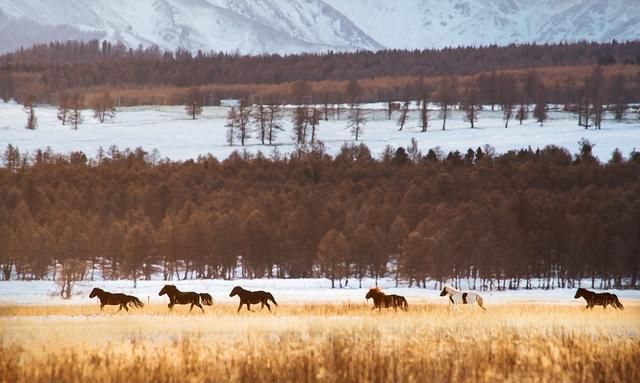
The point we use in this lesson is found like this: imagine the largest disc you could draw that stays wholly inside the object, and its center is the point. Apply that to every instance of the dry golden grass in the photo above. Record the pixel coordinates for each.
(326, 343)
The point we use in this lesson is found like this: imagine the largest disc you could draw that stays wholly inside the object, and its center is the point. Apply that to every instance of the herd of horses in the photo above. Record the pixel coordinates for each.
(380, 299)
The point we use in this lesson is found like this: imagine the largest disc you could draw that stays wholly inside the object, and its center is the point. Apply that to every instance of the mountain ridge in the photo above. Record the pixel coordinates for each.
(295, 26)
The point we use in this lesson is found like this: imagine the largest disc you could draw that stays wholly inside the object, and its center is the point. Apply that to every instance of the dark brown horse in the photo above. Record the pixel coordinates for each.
(177, 297)
(599, 299)
(253, 298)
(114, 299)
(381, 300)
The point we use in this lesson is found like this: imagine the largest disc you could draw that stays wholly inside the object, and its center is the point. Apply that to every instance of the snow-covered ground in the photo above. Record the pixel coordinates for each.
(286, 291)
(169, 130)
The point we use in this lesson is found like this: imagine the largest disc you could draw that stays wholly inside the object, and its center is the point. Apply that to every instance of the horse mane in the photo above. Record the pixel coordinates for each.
(450, 288)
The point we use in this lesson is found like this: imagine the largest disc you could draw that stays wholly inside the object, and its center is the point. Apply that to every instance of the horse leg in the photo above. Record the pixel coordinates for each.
(125, 307)
(239, 307)
(267, 303)
(199, 305)
(249, 307)
(192, 307)
(101, 307)
(171, 306)
(120, 309)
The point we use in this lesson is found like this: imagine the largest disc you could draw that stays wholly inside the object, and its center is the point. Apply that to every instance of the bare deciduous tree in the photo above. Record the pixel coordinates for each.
(357, 120)
(103, 107)
(193, 102)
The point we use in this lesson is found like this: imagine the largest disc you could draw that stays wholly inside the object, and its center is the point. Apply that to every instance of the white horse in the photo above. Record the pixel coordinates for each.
(464, 297)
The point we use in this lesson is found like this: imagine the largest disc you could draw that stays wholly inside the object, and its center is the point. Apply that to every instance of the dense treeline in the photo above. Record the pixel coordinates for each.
(44, 71)
(515, 218)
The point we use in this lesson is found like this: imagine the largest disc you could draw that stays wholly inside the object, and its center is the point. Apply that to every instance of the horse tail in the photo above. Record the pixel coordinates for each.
(270, 297)
(135, 302)
(206, 299)
(616, 302)
(480, 302)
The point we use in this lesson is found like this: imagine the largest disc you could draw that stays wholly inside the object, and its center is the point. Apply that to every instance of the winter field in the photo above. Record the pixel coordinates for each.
(169, 130)
(315, 334)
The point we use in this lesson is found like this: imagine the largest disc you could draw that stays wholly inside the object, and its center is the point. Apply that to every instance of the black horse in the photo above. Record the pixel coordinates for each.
(253, 298)
(599, 299)
(177, 297)
(114, 299)
(381, 300)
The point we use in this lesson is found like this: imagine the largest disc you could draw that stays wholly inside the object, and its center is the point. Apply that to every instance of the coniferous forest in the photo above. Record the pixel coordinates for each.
(499, 221)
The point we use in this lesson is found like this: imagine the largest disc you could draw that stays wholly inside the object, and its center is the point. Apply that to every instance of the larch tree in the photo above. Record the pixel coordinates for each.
(232, 117)
(470, 103)
(103, 107)
(357, 120)
(242, 122)
(446, 96)
(523, 110)
(424, 111)
(193, 102)
(260, 117)
(540, 112)
(314, 115)
(32, 120)
(76, 104)
(333, 251)
(274, 124)
(353, 91)
(508, 97)
(63, 107)
(404, 115)
(617, 91)
(597, 92)
(300, 121)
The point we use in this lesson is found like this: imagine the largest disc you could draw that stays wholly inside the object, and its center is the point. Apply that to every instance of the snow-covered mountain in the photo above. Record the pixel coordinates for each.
(289, 26)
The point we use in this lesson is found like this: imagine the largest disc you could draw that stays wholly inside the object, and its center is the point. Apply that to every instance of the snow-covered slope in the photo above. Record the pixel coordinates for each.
(288, 26)
(443, 23)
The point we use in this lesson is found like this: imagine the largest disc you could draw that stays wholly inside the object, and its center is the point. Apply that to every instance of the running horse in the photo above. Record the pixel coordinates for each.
(381, 300)
(464, 297)
(177, 297)
(252, 298)
(598, 299)
(115, 299)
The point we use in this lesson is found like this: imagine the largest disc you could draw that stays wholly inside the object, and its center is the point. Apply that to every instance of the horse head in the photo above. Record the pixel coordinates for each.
(444, 291)
(167, 289)
(236, 290)
(95, 292)
(579, 293)
(373, 292)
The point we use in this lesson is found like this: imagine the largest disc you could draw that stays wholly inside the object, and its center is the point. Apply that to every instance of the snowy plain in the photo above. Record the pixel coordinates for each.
(285, 291)
(169, 130)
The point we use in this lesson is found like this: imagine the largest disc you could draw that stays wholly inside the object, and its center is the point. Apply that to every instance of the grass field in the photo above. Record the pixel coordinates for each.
(326, 343)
